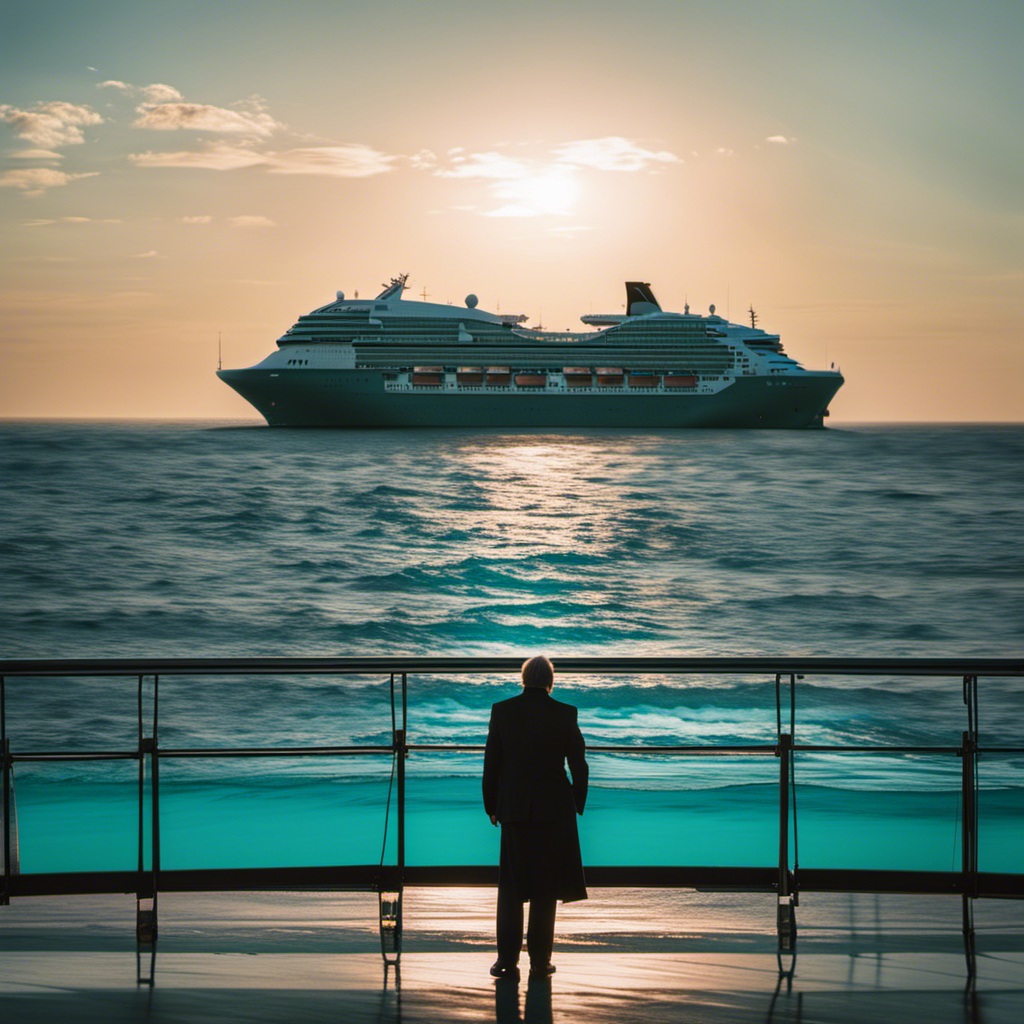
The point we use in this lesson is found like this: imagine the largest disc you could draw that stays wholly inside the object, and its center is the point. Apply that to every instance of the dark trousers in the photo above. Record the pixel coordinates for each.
(540, 935)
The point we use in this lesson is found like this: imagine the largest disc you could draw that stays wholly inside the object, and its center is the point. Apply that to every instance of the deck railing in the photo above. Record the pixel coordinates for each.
(784, 879)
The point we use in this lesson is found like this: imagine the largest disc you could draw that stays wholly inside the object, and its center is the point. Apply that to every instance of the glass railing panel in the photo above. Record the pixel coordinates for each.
(681, 810)
(1000, 812)
(273, 812)
(641, 810)
(77, 816)
(445, 820)
(878, 811)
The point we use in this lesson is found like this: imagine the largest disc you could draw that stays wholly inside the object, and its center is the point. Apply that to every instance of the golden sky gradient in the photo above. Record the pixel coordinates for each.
(172, 173)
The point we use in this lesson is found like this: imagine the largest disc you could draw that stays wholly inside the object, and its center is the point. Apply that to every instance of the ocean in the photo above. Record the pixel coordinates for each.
(214, 539)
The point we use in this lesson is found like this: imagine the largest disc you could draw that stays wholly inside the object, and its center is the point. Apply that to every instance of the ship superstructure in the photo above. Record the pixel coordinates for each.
(389, 361)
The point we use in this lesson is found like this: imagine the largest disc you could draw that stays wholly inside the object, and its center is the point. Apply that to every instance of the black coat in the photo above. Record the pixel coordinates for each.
(529, 741)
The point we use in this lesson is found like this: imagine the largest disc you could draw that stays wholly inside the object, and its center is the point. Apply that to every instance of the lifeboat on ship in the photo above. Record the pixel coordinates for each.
(577, 376)
(498, 375)
(429, 376)
(610, 376)
(531, 380)
(644, 380)
(680, 380)
(469, 375)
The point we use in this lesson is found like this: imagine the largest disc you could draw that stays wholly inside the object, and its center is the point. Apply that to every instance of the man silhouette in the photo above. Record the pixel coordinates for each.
(525, 788)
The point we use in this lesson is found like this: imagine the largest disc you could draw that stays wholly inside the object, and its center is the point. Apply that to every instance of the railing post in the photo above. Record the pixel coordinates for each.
(402, 753)
(146, 890)
(5, 756)
(786, 913)
(969, 849)
(5, 767)
(969, 799)
(390, 901)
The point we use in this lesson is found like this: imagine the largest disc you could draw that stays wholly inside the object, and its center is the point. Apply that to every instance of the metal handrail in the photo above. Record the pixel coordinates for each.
(434, 665)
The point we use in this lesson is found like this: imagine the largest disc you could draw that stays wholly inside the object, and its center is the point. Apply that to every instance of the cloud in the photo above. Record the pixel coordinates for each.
(151, 254)
(424, 160)
(779, 140)
(72, 220)
(201, 117)
(352, 160)
(158, 93)
(201, 218)
(483, 165)
(37, 154)
(50, 125)
(33, 181)
(612, 153)
(251, 221)
(151, 94)
(218, 156)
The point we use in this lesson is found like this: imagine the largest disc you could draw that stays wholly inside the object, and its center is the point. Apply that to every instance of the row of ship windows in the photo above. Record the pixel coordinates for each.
(666, 353)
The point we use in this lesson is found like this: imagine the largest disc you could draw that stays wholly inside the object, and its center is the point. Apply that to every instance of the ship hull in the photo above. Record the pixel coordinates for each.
(361, 398)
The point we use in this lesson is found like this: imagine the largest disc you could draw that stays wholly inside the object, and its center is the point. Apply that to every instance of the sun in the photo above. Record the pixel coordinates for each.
(551, 192)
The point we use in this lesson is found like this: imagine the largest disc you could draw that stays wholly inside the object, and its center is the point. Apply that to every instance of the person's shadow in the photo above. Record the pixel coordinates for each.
(538, 1001)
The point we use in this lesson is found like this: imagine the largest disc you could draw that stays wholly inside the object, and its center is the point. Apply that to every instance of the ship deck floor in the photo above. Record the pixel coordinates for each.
(624, 955)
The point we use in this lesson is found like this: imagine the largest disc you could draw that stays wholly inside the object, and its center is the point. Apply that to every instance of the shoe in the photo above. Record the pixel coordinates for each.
(542, 970)
(499, 970)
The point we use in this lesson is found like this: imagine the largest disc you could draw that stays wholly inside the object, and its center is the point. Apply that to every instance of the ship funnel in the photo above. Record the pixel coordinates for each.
(640, 299)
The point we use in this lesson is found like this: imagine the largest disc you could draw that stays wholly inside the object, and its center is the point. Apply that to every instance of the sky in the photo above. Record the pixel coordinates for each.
(175, 174)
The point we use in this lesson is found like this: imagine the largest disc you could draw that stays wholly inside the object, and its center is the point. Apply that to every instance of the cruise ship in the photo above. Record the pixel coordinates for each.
(392, 362)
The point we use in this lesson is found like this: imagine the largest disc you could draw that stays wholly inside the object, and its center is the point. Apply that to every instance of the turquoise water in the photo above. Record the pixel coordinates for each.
(316, 823)
(196, 539)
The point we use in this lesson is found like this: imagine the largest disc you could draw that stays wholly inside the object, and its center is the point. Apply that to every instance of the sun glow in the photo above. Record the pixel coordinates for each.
(551, 192)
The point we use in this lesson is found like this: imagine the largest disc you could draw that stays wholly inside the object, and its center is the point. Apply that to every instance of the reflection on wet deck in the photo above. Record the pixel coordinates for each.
(592, 987)
(623, 956)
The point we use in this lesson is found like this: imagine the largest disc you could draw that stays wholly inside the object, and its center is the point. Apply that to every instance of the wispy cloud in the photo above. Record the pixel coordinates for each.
(150, 254)
(202, 117)
(482, 165)
(424, 160)
(50, 125)
(39, 222)
(217, 156)
(251, 220)
(612, 153)
(34, 181)
(36, 154)
(353, 160)
(200, 218)
(779, 140)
